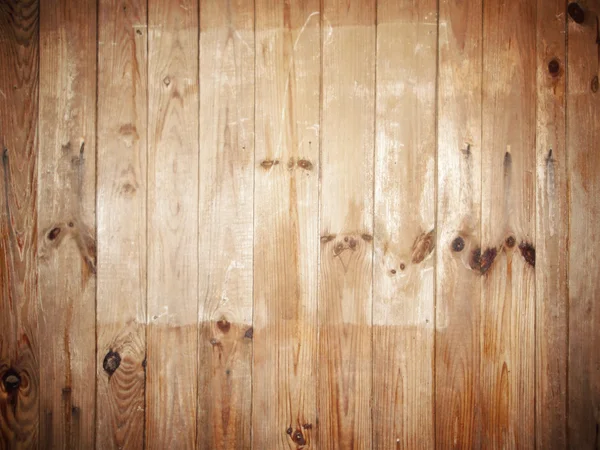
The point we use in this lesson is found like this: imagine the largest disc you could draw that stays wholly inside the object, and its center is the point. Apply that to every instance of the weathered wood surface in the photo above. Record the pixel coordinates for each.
(19, 339)
(121, 216)
(66, 224)
(226, 223)
(404, 225)
(286, 224)
(328, 224)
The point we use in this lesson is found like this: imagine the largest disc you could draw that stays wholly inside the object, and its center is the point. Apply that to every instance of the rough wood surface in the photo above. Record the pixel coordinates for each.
(507, 256)
(286, 224)
(583, 136)
(458, 299)
(346, 224)
(404, 230)
(19, 343)
(121, 216)
(172, 333)
(67, 223)
(552, 235)
(226, 223)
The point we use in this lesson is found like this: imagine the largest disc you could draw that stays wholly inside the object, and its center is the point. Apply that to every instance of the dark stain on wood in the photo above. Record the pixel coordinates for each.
(458, 244)
(423, 246)
(528, 252)
(53, 234)
(307, 426)
(487, 259)
(594, 84)
(224, 325)
(268, 163)
(466, 151)
(327, 238)
(11, 381)
(366, 237)
(554, 68)
(249, 334)
(475, 260)
(576, 12)
(111, 362)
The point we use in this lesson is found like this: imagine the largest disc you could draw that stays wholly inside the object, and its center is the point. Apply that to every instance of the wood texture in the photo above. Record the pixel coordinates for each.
(552, 235)
(286, 224)
(458, 292)
(507, 256)
(172, 333)
(226, 223)
(121, 215)
(67, 223)
(404, 238)
(19, 342)
(346, 224)
(583, 135)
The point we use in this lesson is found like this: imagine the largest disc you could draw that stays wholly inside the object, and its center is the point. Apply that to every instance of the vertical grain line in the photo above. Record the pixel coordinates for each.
(373, 215)
(253, 226)
(568, 212)
(94, 437)
(147, 216)
(535, 237)
(199, 138)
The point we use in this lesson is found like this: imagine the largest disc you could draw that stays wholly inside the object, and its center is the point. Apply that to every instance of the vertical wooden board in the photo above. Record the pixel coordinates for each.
(458, 293)
(121, 216)
(583, 135)
(172, 330)
(286, 224)
(67, 223)
(404, 237)
(551, 229)
(19, 363)
(226, 221)
(346, 224)
(507, 256)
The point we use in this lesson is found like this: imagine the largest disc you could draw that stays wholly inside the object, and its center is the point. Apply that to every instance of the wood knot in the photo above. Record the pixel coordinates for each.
(53, 233)
(576, 12)
(305, 164)
(458, 244)
(393, 271)
(289, 430)
(366, 237)
(224, 325)
(594, 84)
(528, 252)
(298, 438)
(167, 81)
(487, 259)
(249, 334)
(510, 241)
(554, 67)
(475, 260)
(11, 381)
(268, 163)
(423, 246)
(307, 426)
(111, 362)
(327, 238)
(402, 266)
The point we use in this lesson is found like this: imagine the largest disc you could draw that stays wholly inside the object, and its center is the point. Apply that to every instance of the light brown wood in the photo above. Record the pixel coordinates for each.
(583, 135)
(226, 223)
(286, 224)
(404, 238)
(121, 216)
(19, 341)
(458, 299)
(552, 234)
(172, 331)
(346, 224)
(507, 261)
(67, 223)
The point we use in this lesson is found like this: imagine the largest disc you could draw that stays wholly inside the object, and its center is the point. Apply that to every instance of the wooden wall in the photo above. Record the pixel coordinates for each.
(286, 224)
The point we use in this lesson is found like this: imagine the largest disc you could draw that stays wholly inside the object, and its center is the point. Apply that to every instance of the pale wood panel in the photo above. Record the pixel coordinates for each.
(551, 229)
(583, 135)
(404, 238)
(346, 224)
(19, 352)
(507, 257)
(172, 331)
(286, 224)
(226, 218)
(458, 299)
(67, 222)
(121, 216)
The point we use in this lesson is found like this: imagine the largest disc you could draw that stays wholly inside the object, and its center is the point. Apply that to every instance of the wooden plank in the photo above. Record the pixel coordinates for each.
(458, 292)
(404, 238)
(286, 225)
(19, 352)
(507, 256)
(121, 202)
(552, 229)
(67, 223)
(583, 135)
(172, 332)
(226, 222)
(346, 224)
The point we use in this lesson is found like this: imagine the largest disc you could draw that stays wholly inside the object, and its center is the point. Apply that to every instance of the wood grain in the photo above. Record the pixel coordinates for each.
(172, 333)
(583, 135)
(404, 239)
(551, 229)
(346, 224)
(458, 292)
(286, 224)
(226, 221)
(67, 223)
(507, 257)
(121, 215)
(19, 342)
